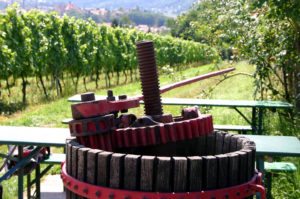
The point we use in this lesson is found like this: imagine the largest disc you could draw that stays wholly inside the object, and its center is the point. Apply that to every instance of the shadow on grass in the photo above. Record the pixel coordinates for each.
(10, 108)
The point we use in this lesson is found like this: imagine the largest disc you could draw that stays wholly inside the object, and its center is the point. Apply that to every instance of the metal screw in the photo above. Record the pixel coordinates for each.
(111, 196)
(76, 187)
(85, 190)
(98, 193)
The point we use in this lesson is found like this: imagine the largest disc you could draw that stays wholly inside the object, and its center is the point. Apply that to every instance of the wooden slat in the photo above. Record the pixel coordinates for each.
(116, 170)
(82, 166)
(219, 142)
(249, 161)
(180, 174)
(211, 143)
(132, 172)
(226, 144)
(163, 174)
(195, 178)
(147, 173)
(242, 167)
(222, 162)
(233, 172)
(74, 170)
(210, 172)
(251, 145)
(233, 143)
(69, 144)
(103, 168)
(92, 166)
(202, 145)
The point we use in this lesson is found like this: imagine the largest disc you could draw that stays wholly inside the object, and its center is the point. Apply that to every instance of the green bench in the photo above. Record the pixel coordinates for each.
(53, 159)
(276, 167)
(238, 128)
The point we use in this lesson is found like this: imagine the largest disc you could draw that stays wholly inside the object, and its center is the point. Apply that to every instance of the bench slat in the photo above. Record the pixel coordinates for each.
(232, 127)
(54, 158)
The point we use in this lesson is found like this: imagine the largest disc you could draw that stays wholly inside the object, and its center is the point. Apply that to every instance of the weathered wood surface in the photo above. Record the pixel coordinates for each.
(225, 165)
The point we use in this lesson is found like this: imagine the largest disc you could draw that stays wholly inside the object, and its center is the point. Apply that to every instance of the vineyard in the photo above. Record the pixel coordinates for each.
(46, 47)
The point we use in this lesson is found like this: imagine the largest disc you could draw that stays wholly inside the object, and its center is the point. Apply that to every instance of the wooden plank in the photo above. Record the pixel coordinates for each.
(233, 143)
(103, 168)
(132, 172)
(219, 142)
(74, 170)
(179, 174)
(209, 172)
(116, 170)
(222, 178)
(211, 143)
(147, 173)
(202, 145)
(249, 162)
(92, 166)
(226, 144)
(163, 174)
(195, 178)
(233, 171)
(242, 167)
(82, 166)
(251, 145)
(69, 144)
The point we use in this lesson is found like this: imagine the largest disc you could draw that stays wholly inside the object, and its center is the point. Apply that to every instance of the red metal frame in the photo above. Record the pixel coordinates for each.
(96, 192)
(189, 81)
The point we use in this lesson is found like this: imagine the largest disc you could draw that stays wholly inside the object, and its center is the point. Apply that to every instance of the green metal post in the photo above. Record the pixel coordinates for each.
(20, 173)
(37, 184)
(28, 186)
(253, 126)
(260, 121)
(269, 184)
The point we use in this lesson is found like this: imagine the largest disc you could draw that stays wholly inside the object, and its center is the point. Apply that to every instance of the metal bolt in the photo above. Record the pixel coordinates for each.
(213, 197)
(68, 183)
(85, 97)
(247, 190)
(226, 196)
(145, 197)
(98, 193)
(127, 197)
(111, 196)
(238, 193)
(76, 187)
(110, 95)
(85, 190)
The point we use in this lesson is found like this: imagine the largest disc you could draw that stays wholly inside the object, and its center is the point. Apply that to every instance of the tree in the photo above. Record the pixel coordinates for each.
(125, 22)
(114, 23)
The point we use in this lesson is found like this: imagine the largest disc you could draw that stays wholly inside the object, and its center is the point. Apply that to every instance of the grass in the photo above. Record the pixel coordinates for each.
(50, 114)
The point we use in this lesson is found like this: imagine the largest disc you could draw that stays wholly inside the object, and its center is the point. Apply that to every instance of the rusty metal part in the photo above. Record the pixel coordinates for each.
(90, 96)
(189, 81)
(123, 97)
(126, 120)
(96, 108)
(190, 112)
(92, 132)
(144, 121)
(149, 78)
(164, 118)
(110, 95)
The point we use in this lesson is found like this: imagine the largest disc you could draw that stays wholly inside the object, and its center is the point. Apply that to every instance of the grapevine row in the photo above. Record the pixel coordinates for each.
(38, 44)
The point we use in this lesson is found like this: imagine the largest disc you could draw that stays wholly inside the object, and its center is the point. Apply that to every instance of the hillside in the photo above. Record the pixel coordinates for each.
(164, 6)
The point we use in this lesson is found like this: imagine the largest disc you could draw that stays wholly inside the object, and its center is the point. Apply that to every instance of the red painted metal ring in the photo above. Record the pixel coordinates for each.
(95, 192)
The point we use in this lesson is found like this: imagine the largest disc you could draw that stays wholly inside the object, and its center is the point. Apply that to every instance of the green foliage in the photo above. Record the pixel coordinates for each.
(266, 32)
(47, 46)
